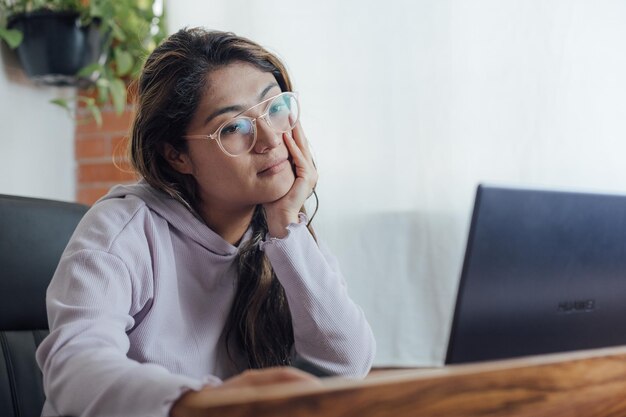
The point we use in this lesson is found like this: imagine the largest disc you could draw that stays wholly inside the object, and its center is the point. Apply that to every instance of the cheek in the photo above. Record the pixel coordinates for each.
(280, 186)
(210, 171)
(228, 179)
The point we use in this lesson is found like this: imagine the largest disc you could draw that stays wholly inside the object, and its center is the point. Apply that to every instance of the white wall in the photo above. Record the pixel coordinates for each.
(36, 138)
(409, 104)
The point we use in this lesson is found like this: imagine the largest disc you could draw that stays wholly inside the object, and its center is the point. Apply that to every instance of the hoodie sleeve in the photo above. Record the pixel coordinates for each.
(85, 368)
(330, 330)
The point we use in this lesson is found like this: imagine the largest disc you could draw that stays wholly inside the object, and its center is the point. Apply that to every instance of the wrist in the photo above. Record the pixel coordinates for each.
(277, 223)
(187, 404)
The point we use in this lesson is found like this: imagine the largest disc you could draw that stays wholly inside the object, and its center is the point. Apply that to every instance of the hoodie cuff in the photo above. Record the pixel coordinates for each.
(172, 390)
(270, 240)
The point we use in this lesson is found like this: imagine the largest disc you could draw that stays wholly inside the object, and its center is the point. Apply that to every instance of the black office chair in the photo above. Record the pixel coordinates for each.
(33, 234)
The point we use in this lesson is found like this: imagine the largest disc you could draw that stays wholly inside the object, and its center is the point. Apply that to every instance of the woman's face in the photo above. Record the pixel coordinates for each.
(260, 176)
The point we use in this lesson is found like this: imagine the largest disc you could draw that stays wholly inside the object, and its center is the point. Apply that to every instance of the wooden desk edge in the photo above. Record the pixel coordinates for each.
(535, 384)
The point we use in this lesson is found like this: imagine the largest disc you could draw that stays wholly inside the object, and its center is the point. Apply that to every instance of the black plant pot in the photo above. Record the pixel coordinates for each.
(55, 46)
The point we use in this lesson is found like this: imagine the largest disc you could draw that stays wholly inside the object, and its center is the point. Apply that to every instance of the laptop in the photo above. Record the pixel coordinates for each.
(544, 272)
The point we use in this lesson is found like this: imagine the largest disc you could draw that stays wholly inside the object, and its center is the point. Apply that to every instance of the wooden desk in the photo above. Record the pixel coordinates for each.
(585, 384)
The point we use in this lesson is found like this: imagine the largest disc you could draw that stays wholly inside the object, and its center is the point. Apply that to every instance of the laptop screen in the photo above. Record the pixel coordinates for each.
(544, 272)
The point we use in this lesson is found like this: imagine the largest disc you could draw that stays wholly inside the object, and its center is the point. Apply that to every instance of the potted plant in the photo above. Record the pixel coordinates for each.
(107, 43)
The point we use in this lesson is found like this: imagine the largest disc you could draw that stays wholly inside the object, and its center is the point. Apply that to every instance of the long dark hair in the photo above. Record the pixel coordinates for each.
(171, 85)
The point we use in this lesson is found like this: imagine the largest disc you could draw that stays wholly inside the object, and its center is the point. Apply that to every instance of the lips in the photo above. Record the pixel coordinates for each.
(274, 166)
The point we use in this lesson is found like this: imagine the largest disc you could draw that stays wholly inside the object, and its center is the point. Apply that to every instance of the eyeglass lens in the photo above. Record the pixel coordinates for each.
(237, 137)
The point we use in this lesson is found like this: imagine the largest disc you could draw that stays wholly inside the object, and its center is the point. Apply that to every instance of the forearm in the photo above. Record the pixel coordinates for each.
(86, 371)
(330, 330)
(96, 381)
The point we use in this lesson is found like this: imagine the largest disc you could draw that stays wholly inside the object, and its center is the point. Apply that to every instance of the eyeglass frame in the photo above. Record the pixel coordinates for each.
(216, 135)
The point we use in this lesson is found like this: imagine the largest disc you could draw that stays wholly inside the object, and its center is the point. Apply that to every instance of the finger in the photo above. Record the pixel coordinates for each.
(273, 376)
(287, 374)
(304, 161)
(301, 140)
(305, 172)
(296, 153)
(304, 167)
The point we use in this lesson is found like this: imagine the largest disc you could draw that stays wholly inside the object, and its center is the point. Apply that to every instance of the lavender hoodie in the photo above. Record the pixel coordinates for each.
(138, 303)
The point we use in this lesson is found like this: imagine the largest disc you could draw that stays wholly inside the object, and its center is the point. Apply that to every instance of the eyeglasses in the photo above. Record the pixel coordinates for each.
(237, 136)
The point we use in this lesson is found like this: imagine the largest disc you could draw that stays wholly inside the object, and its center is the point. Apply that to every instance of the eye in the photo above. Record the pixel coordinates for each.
(279, 105)
(237, 127)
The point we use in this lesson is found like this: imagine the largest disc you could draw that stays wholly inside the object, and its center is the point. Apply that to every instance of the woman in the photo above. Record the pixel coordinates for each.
(171, 288)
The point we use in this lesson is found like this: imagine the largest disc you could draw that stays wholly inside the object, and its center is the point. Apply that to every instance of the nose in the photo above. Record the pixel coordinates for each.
(266, 138)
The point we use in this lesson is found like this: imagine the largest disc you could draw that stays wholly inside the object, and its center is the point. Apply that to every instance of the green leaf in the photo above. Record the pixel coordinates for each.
(118, 95)
(103, 90)
(88, 101)
(124, 61)
(144, 4)
(89, 69)
(95, 113)
(12, 37)
(95, 10)
(61, 102)
(103, 82)
(118, 33)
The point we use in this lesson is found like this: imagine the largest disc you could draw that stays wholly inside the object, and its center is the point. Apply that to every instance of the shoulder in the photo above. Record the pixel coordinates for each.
(110, 221)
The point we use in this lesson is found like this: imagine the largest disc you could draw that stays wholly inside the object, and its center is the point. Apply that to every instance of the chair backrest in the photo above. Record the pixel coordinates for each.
(33, 234)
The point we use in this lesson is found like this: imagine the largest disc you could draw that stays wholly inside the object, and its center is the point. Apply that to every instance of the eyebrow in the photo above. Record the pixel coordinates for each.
(238, 108)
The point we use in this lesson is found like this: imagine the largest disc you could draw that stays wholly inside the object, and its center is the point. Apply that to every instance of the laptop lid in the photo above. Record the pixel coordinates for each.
(544, 272)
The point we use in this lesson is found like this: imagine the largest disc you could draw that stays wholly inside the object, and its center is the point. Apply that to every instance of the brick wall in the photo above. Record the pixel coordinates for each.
(101, 154)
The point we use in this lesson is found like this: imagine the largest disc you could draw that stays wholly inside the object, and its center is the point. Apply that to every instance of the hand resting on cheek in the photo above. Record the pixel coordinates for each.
(282, 212)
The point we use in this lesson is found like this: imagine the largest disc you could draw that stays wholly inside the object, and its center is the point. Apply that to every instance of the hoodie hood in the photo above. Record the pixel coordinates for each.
(177, 215)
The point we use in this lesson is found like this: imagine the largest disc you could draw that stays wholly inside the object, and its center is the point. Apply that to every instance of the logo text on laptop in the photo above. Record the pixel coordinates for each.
(576, 306)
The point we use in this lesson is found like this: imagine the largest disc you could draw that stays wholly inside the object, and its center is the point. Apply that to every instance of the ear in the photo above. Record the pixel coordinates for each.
(177, 160)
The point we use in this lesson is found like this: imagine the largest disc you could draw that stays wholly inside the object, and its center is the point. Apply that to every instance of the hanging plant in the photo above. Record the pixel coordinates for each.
(127, 31)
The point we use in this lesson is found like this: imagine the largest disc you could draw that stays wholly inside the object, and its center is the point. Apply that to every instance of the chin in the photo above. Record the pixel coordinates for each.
(278, 189)
(277, 194)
